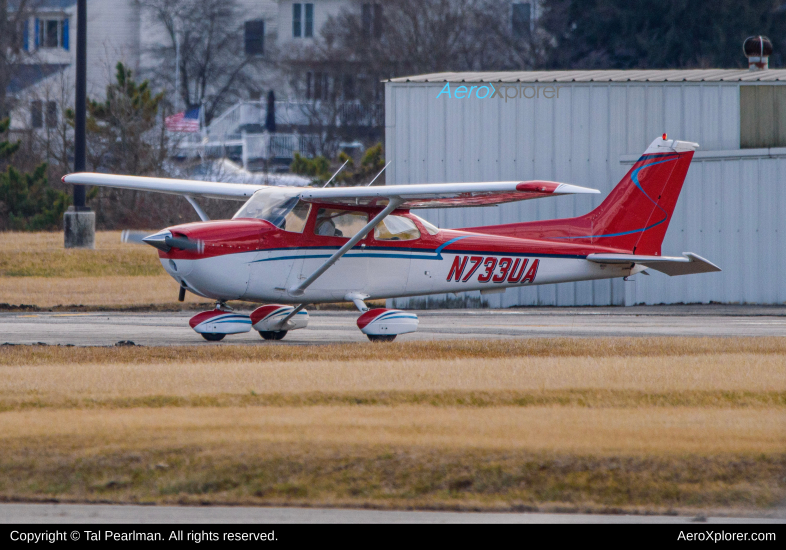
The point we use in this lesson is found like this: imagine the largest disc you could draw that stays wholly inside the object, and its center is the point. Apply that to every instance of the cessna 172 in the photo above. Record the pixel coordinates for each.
(288, 247)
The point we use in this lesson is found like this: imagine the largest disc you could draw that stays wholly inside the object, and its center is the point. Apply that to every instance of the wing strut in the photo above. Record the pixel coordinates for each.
(298, 290)
(294, 312)
(201, 213)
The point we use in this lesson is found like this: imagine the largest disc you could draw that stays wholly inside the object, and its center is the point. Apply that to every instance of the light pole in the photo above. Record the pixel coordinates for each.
(79, 222)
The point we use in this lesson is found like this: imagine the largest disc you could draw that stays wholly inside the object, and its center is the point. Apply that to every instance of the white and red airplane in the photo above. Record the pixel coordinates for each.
(289, 247)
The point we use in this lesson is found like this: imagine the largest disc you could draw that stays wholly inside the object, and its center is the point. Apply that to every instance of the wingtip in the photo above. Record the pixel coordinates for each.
(569, 189)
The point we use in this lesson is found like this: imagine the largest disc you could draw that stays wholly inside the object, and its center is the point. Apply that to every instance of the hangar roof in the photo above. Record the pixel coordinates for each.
(682, 75)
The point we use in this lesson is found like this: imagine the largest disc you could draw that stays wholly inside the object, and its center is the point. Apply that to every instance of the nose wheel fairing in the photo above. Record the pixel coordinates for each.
(220, 322)
(387, 322)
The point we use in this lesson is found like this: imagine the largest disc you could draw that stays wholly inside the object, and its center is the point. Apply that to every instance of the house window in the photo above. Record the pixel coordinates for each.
(37, 114)
(317, 85)
(371, 20)
(349, 87)
(521, 17)
(255, 37)
(309, 30)
(762, 116)
(51, 33)
(51, 114)
(297, 14)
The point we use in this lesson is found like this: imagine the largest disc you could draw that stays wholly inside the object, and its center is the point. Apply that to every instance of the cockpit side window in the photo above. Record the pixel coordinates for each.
(339, 223)
(396, 228)
(295, 221)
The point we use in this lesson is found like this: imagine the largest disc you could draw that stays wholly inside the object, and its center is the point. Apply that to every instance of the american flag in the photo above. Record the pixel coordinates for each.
(184, 121)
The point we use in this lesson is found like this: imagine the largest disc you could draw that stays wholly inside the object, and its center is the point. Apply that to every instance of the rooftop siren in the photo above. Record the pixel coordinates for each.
(758, 50)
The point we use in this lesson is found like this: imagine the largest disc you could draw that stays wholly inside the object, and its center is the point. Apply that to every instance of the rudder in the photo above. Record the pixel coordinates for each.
(636, 214)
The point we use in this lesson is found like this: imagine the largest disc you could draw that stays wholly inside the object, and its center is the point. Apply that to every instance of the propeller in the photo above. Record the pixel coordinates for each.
(162, 240)
(133, 237)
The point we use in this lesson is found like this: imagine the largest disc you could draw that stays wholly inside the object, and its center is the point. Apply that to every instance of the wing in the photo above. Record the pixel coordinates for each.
(432, 195)
(687, 264)
(443, 195)
(193, 188)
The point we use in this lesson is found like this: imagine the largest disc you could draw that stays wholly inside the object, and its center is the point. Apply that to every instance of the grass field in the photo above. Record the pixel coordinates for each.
(36, 270)
(606, 424)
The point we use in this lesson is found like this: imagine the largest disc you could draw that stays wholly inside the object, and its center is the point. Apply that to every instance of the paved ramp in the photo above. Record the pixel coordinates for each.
(105, 513)
(157, 329)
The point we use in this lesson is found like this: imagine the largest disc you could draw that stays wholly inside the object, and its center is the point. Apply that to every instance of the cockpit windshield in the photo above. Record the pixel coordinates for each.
(271, 204)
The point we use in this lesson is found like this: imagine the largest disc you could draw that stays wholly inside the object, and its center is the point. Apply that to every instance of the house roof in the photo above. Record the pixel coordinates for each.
(25, 76)
(666, 75)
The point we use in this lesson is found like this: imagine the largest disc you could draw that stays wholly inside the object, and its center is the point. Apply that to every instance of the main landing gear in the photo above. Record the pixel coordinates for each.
(272, 321)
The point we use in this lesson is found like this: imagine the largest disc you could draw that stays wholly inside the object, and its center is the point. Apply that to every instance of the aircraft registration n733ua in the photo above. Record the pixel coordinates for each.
(288, 247)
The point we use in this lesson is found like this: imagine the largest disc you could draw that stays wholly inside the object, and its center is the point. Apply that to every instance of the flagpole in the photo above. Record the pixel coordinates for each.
(177, 66)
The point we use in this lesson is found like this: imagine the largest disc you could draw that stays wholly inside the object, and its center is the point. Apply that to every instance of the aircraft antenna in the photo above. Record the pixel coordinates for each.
(336, 174)
(380, 173)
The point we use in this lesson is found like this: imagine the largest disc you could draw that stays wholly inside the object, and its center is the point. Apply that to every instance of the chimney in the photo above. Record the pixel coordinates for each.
(758, 50)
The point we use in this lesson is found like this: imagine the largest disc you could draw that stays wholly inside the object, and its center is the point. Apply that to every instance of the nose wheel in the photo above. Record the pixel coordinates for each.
(213, 336)
(273, 335)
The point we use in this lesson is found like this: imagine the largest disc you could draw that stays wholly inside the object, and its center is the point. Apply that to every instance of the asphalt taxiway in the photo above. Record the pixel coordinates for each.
(107, 513)
(157, 329)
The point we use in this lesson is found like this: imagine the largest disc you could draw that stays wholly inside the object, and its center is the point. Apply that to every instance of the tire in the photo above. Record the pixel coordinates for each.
(212, 336)
(273, 335)
(381, 337)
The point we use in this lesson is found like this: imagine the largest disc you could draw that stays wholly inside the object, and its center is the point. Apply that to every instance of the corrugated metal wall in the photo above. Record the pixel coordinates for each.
(732, 209)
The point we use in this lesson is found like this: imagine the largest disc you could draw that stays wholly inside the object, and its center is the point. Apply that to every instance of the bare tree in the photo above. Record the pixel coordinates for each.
(403, 37)
(13, 18)
(341, 74)
(214, 68)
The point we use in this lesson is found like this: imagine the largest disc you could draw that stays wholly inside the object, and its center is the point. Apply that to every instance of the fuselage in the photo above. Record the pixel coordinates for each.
(254, 260)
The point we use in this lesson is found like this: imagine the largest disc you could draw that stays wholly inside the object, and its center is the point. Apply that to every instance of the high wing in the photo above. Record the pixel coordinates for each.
(434, 195)
(192, 188)
(443, 195)
(687, 264)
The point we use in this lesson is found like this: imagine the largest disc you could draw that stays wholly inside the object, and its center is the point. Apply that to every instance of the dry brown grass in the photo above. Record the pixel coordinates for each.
(602, 432)
(406, 456)
(36, 270)
(518, 375)
(667, 348)
(116, 291)
(653, 423)
(43, 255)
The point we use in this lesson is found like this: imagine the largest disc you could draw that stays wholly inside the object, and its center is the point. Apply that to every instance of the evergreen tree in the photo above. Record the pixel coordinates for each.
(640, 34)
(27, 203)
(120, 129)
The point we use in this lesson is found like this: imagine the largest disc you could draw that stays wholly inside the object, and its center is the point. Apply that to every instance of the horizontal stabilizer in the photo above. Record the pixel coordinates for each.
(687, 264)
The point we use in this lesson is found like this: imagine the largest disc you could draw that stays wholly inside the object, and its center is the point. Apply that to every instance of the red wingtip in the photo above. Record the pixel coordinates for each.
(62, 179)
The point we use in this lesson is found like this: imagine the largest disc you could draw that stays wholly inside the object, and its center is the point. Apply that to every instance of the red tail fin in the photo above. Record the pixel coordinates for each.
(635, 215)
